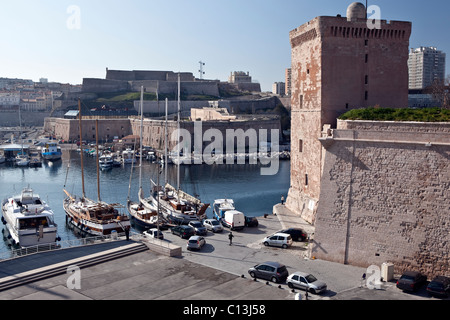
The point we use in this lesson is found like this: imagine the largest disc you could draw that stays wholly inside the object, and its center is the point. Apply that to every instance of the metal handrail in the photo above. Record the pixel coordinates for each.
(21, 252)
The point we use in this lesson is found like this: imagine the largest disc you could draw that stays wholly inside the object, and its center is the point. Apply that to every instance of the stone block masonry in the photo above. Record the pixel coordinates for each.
(385, 196)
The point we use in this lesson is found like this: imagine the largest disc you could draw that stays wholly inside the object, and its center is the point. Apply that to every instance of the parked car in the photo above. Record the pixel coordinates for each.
(440, 287)
(411, 281)
(196, 243)
(282, 240)
(251, 222)
(273, 271)
(199, 229)
(296, 234)
(306, 282)
(183, 231)
(153, 233)
(213, 225)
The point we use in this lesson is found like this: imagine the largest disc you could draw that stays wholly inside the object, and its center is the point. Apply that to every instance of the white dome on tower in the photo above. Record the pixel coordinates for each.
(356, 11)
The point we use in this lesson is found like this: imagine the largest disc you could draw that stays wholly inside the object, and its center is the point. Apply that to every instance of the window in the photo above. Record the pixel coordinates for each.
(367, 58)
(301, 101)
(367, 79)
(300, 146)
(346, 106)
(306, 179)
(366, 42)
(366, 95)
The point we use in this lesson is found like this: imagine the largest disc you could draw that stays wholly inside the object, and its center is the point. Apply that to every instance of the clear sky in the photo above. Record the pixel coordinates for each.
(174, 35)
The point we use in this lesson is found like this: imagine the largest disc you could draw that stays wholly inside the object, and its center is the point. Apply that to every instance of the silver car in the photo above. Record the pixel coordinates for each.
(306, 282)
(195, 243)
(213, 225)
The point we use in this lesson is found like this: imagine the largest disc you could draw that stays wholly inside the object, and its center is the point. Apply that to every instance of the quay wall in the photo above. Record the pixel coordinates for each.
(385, 196)
(29, 119)
(153, 130)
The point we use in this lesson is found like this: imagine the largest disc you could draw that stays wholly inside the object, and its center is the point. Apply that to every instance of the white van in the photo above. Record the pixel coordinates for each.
(234, 220)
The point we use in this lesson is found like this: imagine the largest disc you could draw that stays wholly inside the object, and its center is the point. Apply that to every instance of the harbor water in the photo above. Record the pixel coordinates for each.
(254, 194)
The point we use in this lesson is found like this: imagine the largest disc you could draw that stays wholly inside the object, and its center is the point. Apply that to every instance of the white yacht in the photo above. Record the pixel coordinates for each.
(22, 160)
(28, 220)
(106, 161)
(128, 156)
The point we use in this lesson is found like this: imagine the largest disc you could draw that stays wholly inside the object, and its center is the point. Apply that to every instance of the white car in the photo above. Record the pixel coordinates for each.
(306, 282)
(153, 233)
(282, 240)
(213, 225)
(195, 243)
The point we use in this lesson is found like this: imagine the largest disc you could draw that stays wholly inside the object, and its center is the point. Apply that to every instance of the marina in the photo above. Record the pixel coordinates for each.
(253, 193)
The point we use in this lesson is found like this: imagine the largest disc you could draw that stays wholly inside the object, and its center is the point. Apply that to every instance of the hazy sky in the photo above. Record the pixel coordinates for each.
(44, 38)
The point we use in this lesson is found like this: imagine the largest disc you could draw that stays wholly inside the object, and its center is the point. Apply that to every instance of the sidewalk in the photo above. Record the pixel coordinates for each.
(289, 219)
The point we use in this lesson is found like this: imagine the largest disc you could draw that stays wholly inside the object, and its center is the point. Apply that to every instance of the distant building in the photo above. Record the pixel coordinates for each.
(9, 98)
(279, 88)
(426, 65)
(239, 77)
(288, 82)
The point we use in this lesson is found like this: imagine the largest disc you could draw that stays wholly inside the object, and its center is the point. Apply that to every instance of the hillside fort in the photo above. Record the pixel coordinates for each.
(376, 191)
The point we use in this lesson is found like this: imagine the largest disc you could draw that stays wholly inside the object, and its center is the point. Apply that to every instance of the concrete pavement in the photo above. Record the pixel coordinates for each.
(217, 272)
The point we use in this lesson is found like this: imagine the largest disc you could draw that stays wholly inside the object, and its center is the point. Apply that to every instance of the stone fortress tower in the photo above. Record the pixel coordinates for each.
(338, 64)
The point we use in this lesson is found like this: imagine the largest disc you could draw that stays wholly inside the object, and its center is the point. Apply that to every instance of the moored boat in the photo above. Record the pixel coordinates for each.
(51, 152)
(96, 218)
(28, 220)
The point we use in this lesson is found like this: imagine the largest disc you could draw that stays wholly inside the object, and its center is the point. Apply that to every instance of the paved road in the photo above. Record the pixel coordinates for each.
(215, 273)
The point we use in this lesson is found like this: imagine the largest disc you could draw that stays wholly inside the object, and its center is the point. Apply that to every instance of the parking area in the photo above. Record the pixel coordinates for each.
(219, 271)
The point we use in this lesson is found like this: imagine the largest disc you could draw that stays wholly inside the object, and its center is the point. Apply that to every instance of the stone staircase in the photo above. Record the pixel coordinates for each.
(61, 268)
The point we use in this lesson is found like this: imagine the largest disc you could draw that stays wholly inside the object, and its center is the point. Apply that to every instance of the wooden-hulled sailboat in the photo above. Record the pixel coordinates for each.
(143, 213)
(176, 206)
(93, 217)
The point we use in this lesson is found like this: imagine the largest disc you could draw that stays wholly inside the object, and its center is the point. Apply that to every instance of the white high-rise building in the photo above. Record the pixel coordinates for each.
(426, 65)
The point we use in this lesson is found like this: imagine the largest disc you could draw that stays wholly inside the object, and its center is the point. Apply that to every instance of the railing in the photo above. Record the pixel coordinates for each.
(21, 252)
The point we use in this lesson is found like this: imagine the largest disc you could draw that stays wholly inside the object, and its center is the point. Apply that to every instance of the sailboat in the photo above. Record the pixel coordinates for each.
(22, 159)
(143, 213)
(92, 217)
(177, 206)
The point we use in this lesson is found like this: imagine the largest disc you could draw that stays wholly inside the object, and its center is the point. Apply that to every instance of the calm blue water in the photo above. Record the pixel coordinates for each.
(253, 193)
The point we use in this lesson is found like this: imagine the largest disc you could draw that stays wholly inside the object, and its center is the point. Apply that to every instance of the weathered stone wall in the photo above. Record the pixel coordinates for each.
(385, 196)
(338, 65)
(29, 119)
(68, 129)
(154, 130)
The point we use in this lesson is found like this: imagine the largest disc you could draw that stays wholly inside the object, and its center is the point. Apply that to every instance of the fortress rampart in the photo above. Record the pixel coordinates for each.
(385, 196)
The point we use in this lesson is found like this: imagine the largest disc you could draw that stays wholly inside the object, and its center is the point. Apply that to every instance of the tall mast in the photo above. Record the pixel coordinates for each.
(81, 147)
(178, 127)
(166, 136)
(140, 137)
(98, 159)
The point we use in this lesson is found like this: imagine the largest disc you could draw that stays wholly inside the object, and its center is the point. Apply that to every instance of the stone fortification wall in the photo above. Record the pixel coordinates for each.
(104, 86)
(154, 130)
(29, 119)
(68, 129)
(158, 108)
(385, 196)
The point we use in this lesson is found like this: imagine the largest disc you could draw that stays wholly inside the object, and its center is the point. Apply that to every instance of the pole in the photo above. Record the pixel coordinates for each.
(81, 147)
(98, 160)
(166, 136)
(140, 137)
(178, 127)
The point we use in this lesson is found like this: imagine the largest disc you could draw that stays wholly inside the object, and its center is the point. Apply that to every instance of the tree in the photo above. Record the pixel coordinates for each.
(441, 92)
